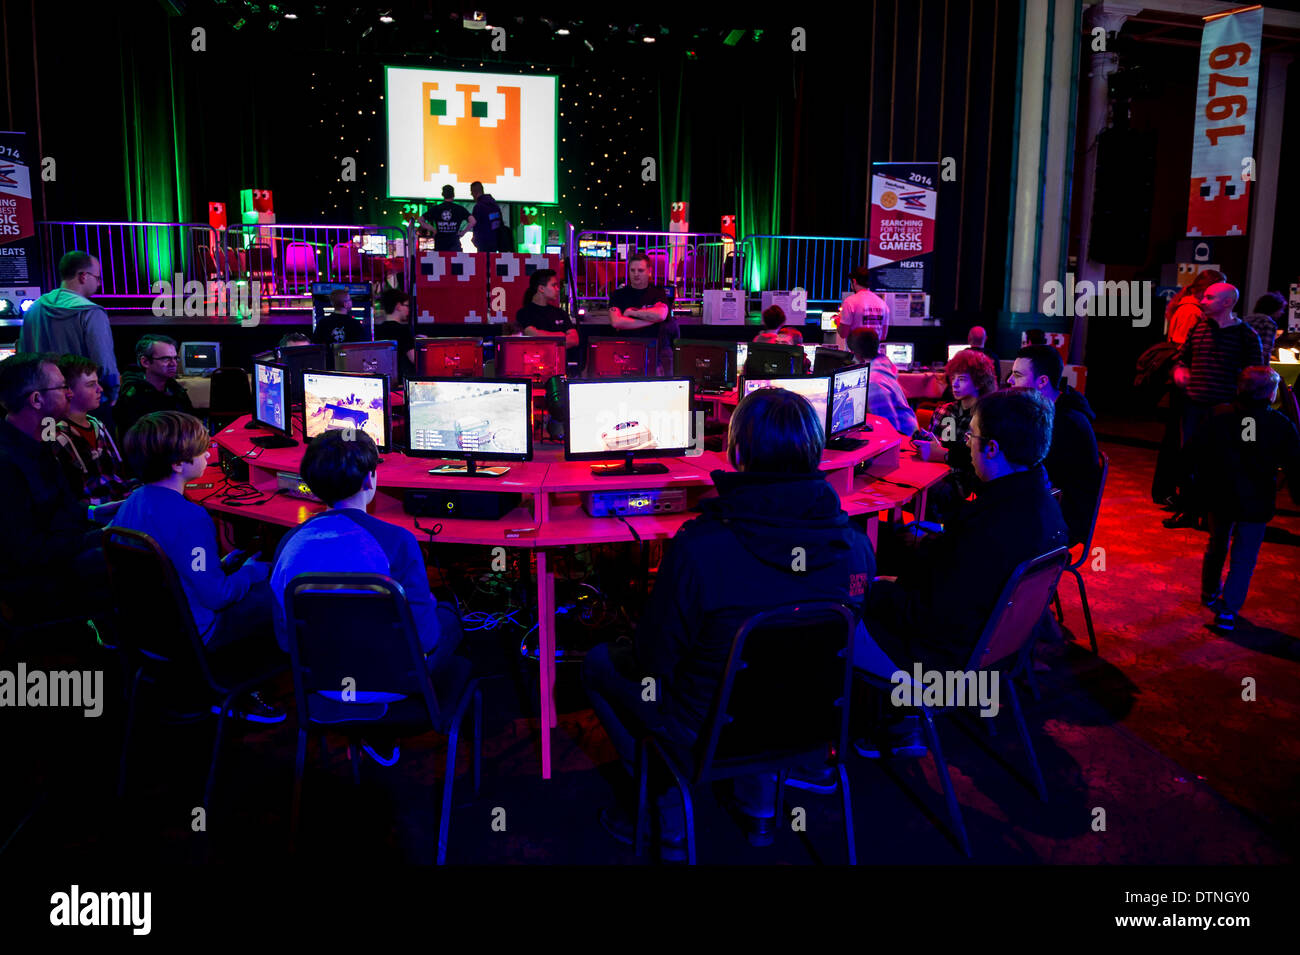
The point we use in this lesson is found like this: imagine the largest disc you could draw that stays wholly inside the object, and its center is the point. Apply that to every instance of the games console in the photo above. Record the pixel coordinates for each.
(468, 505)
(634, 503)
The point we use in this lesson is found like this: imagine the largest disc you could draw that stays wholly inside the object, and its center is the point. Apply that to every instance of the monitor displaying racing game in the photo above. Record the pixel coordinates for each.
(338, 401)
(271, 404)
(537, 359)
(470, 419)
(628, 418)
(374, 358)
(814, 389)
(848, 406)
(449, 357)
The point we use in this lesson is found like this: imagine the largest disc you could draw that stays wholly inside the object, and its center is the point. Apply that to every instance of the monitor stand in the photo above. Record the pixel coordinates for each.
(274, 441)
(627, 467)
(844, 444)
(469, 469)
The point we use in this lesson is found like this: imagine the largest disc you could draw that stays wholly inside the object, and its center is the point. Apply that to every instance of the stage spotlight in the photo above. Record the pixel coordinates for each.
(367, 31)
(587, 44)
(238, 24)
(647, 39)
(385, 19)
(562, 32)
(291, 16)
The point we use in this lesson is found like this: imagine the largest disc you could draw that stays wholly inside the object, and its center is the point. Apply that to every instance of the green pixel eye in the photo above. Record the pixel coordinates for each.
(479, 110)
(437, 107)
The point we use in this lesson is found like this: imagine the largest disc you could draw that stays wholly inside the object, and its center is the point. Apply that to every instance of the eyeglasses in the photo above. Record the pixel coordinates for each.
(970, 436)
(166, 359)
(34, 391)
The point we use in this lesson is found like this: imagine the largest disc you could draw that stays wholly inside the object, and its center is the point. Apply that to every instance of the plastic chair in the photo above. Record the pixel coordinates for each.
(783, 701)
(1008, 636)
(230, 396)
(208, 262)
(359, 628)
(348, 264)
(156, 634)
(1104, 462)
(261, 264)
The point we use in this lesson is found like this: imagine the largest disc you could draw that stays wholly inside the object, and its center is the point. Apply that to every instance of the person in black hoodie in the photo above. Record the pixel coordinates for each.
(1072, 463)
(1236, 458)
(731, 562)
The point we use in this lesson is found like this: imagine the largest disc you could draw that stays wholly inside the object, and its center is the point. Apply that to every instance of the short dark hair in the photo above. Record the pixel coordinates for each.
(861, 275)
(775, 431)
(536, 281)
(638, 257)
(294, 338)
(72, 263)
(773, 317)
(390, 298)
(76, 366)
(476, 186)
(977, 366)
(1036, 336)
(144, 347)
(340, 297)
(864, 343)
(1258, 382)
(336, 463)
(1269, 303)
(1020, 420)
(163, 438)
(1046, 361)
(448, 191)
(20, 375)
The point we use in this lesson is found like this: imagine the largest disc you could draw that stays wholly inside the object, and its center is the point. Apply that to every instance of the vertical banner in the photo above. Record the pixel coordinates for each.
(1226, 92)
(20, 267)
(900, 234)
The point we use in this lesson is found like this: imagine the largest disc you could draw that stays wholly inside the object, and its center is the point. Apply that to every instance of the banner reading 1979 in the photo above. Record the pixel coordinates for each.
(900, 235)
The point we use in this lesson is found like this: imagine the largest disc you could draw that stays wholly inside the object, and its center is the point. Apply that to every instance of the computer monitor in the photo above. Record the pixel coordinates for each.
(596, 248)
(470, 419)
(826, 360)
(764, 360)
(299, 358)
(8, 351)
(900, 353)
(268, 355)
(374, 244)
(621, 357)
(848, 407)
(953, 349)
(628, 418)
(375, 358)
(200, 358)
(358, 292)
(711, 365)
(536, 359)
(828, 321)
(271, 404)
(815, 389)
(335, 400)
(449, 357)
(810, 353)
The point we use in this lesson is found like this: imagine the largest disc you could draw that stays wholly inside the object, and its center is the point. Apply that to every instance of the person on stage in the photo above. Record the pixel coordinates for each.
(641, 310)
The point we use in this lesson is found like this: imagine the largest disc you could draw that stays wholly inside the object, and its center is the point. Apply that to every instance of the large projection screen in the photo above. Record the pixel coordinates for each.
(455, 127)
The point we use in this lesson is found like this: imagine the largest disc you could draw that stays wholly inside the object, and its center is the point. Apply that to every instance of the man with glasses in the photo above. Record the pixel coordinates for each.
(153, 386)
(66, 322)
(49, 559)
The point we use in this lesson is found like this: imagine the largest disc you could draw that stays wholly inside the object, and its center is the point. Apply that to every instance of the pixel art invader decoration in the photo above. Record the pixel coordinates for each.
(1218, 208)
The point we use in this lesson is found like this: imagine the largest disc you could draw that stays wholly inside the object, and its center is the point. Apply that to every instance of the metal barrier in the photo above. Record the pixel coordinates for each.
(132, 255)
(287, 259)
(687, 262)
(818, 264)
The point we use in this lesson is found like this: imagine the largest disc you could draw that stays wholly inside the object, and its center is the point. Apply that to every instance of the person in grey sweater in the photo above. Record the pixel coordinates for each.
(65, 321)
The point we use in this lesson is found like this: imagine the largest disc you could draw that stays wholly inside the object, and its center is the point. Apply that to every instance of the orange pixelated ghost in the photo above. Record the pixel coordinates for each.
(470, 150)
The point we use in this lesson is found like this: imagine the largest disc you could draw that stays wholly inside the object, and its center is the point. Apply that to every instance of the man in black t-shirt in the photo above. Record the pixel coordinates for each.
(641, 310)
(541, 315)
(485, 219)
(447, 220)
(339, 325)
(396, 327)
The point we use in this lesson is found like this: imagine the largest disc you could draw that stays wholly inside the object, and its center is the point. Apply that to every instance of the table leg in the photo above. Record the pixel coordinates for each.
(873, 530)
(545, 656)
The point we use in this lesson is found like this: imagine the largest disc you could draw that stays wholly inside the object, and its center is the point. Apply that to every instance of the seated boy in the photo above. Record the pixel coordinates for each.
(776, 331)
(166, 449)
(885, 395)
(84, 447)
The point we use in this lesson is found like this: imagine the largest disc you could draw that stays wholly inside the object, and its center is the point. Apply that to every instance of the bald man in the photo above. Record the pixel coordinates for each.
(976, 339)
(1209, 361)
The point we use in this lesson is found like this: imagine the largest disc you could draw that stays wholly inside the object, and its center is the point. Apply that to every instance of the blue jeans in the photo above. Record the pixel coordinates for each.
(1244, 538)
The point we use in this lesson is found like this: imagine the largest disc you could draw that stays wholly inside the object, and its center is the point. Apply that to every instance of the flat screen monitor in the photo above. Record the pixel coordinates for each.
(299, 358)
(763, 360)
(374, 244)
(711, 365)
(374, 358)
(953, 349)
(620, 357)
(470, 419)
(334, 401)
(537, 359)
(8, 351)
(810, 353)
(848, 407)
(627, 418)
(268, 355)
(814, 389)
(358, 292)
(449, 357)
(596, 248)
(200, 358)
(826, 360)
(828, 321)
(271, 403)
(900, 353)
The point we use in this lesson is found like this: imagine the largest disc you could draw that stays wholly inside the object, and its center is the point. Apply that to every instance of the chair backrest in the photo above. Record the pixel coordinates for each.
(232, 260)
(299, 259)
(348, 260)
(1103, 461)
(153, 613)
(785, 690)
(260, 260)
(1021, 604)
(230, 391)
(354, 627)
(209, 263)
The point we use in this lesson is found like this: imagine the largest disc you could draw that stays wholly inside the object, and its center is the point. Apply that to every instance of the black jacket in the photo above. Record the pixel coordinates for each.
(737, 558)
(140, 398)
(43, 525)
(1236, 457)
(944, 602)
(1072, 461)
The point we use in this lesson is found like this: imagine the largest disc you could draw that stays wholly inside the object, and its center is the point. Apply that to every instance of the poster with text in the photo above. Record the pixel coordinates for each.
(900, 234)
(19, 264)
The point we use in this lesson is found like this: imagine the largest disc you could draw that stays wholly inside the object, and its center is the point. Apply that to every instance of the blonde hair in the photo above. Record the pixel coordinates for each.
(161, 439)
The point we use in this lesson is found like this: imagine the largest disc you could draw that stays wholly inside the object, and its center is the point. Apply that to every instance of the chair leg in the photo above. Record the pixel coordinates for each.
(949, 795)
(848, 815)
(1060, 614)
(299, 767)
(643, 769)
(448, 783)
(130, 726)
(1029, 745)
(226, 706)
(1087, 613)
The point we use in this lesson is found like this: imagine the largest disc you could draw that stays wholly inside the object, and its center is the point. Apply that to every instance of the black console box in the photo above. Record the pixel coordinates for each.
(468, 505)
